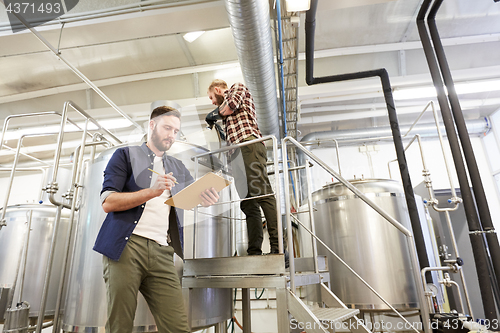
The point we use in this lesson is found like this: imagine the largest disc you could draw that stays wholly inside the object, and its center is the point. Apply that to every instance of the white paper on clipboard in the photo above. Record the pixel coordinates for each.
(189, 197)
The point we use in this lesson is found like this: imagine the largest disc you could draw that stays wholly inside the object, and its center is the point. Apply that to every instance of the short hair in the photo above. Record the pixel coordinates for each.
(217, 83)
(165, 111)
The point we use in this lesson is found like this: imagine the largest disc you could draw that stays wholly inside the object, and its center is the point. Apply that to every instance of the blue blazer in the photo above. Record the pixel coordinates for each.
(127, 171)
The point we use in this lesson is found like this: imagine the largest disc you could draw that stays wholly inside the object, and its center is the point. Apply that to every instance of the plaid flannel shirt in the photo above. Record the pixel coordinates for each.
(242, 123)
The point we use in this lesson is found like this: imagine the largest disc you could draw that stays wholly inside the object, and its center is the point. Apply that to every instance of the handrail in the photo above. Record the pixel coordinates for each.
(355, 274)
(13, 171)
(432, 199)
(52, 188)
(276, 178)
(34, 114)
(353, 189)
(73, 194)
(409, 237)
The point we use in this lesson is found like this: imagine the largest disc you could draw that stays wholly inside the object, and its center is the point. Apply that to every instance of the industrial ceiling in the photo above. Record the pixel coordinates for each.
(134, 52)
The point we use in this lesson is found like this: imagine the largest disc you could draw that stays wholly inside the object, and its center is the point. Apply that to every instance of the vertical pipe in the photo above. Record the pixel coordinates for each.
(48, 271)
(477, 184)
(195, 219)
(311, 216)
(277, 193)
(457, 255)
(287, 215)
(245, 302)
(477, 241)
(282, 78)
(403, 168)
(393, 118)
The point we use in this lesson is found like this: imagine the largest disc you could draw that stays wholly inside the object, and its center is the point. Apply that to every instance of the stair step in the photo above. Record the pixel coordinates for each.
(334, 314)
(309, 278)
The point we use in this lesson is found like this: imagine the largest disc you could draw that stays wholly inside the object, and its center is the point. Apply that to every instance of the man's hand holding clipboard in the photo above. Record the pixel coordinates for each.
(190, 196)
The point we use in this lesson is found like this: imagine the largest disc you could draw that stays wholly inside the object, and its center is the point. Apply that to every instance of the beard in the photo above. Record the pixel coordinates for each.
(219, 98)
(159, 143)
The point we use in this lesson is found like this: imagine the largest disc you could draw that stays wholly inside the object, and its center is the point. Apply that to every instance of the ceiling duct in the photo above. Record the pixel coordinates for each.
(251, 27)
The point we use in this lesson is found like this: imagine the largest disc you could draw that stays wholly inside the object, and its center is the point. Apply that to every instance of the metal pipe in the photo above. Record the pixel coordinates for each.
(12, 172)
(24, 115)
(278, 196)
(25, 257)
(424, 282)
(118, 10)
(351, 187)
(277, 184)
(195, 215)
(286, 187)
(393, 119)
(311, 217)
(390, 219)
(457, 255)
(476, 237)
(52, 188)
(475, 127)
(427, 179)
(48, 271)
(77, 72)
(73, 194)
(470, 159)
(280, 63)
(18, 268)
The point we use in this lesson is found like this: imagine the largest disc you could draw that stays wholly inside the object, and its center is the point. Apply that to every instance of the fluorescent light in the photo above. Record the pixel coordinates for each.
(297, 5)
(478, 86)
(414, 93)
(460, 88)
(192, 36)
(109, 124)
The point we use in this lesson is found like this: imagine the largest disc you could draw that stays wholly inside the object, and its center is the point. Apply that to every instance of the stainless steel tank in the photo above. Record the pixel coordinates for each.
(85, 306)
(13, 238)
(369, 244)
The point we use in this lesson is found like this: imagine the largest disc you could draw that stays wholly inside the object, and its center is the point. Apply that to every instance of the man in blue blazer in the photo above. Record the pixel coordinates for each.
(140, 233)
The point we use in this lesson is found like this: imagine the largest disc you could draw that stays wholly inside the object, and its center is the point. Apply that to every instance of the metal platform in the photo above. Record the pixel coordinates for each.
(267, 271)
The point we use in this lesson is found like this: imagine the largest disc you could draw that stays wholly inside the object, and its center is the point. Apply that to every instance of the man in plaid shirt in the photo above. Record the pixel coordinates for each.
(237, 110)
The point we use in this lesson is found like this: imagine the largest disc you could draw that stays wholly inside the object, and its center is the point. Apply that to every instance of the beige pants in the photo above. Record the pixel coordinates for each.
(147, 267)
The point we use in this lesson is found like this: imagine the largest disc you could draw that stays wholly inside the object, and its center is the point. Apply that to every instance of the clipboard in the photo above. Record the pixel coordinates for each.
(189, 197)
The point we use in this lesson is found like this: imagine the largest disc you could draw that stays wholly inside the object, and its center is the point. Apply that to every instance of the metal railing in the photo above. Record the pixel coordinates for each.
(408, 235)
(52, 189)
(276, 192)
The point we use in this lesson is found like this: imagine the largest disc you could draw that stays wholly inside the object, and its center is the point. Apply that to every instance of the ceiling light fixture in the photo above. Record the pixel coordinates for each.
(297, 5)
(192, 36)
(460, 88)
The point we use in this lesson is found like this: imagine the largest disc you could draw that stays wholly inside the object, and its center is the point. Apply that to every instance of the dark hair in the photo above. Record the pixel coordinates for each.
(165, 111)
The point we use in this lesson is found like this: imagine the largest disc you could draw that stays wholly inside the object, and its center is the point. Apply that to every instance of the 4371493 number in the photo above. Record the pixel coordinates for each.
(32, 8)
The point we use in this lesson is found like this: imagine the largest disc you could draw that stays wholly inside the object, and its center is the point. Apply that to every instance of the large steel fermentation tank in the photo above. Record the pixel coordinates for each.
(368, 243)
(13, 238)
(85, 306)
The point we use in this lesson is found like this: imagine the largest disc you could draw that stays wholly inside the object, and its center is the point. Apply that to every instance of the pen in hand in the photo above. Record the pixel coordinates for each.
(160, 174)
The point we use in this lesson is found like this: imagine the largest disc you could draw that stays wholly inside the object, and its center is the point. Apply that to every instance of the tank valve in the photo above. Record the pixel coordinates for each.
(40, 202)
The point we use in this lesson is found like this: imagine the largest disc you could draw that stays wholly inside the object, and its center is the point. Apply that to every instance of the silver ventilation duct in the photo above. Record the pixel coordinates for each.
(251, 27)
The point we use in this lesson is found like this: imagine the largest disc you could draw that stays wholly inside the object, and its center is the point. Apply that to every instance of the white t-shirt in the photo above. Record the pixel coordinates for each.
(153, 223)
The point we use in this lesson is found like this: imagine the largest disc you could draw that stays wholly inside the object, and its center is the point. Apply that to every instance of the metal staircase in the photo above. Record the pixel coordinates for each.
(269, 271)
